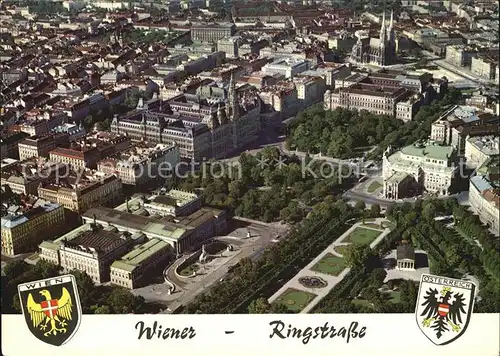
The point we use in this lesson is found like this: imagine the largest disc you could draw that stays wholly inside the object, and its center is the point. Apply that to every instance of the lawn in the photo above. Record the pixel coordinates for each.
(394, 297)
(374, 186)
(330, 264)
(362, 302)
(341, 249)
(362, 236)
(373, 226)
(295, 300)
(188, 271)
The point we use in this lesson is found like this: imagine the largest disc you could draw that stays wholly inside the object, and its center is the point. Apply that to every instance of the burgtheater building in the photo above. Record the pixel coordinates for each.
(199, 128)
(417, 168)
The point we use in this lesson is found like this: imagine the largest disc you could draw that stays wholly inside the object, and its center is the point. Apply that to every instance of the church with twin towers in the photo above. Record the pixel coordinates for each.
(380, 51)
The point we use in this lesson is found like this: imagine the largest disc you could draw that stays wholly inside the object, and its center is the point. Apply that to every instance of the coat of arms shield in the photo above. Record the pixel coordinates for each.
(51, 308)
(444, 307)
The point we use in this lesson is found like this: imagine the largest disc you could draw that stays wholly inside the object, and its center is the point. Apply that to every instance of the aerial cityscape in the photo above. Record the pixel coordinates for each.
(250, 157)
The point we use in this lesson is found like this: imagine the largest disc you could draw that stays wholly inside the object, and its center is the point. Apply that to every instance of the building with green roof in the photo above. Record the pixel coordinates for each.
(182, 233)
(130, 271)
(421, 167)
(90, 248)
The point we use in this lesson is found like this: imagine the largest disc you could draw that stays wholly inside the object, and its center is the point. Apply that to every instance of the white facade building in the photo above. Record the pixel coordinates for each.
(479, 149)
(485, 202)
(286, 67)
(140, 165)
(417, 168)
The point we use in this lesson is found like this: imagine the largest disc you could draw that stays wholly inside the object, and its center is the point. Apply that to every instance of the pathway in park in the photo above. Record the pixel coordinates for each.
(330, 279)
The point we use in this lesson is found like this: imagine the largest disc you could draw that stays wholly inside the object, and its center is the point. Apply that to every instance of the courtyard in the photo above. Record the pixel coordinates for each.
(329, 264)
(295, 300)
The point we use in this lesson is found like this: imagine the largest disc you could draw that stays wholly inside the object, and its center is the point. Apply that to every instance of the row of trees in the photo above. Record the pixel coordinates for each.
(452, 251)
(341, 133)
(251, 280)
(94, 299)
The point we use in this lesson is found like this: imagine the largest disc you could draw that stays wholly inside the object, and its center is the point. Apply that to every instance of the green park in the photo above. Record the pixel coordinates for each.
(341, 249)
(362, 236)
(295, 300)
(330, 264)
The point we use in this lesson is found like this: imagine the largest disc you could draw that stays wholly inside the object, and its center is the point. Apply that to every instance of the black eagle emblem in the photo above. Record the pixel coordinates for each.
(440, 314)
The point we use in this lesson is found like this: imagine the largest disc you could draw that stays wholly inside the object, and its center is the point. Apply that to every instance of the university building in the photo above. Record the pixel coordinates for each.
(392, 93)
(373, 98)
(212, 32)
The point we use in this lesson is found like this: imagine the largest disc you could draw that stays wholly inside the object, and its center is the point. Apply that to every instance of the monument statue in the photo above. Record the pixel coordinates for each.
(203, 255)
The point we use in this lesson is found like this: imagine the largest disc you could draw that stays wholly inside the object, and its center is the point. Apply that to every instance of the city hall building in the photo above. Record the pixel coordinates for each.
(196, 127)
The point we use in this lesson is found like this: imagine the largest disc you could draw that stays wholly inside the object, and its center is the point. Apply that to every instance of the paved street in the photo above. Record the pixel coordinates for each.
(6, 259)
(356, 168)
(467, 75)
(368, 199)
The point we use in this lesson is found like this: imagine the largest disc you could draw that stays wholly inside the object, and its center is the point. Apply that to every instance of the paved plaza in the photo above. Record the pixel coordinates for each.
(188, 287)
(311, 271)
(393, 273)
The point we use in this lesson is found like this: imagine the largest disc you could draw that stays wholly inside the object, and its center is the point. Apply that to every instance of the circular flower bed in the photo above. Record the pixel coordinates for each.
(312, 282)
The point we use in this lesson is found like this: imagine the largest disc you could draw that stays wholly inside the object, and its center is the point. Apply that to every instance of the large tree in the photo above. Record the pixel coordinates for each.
(259, 306)
(355, 255)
